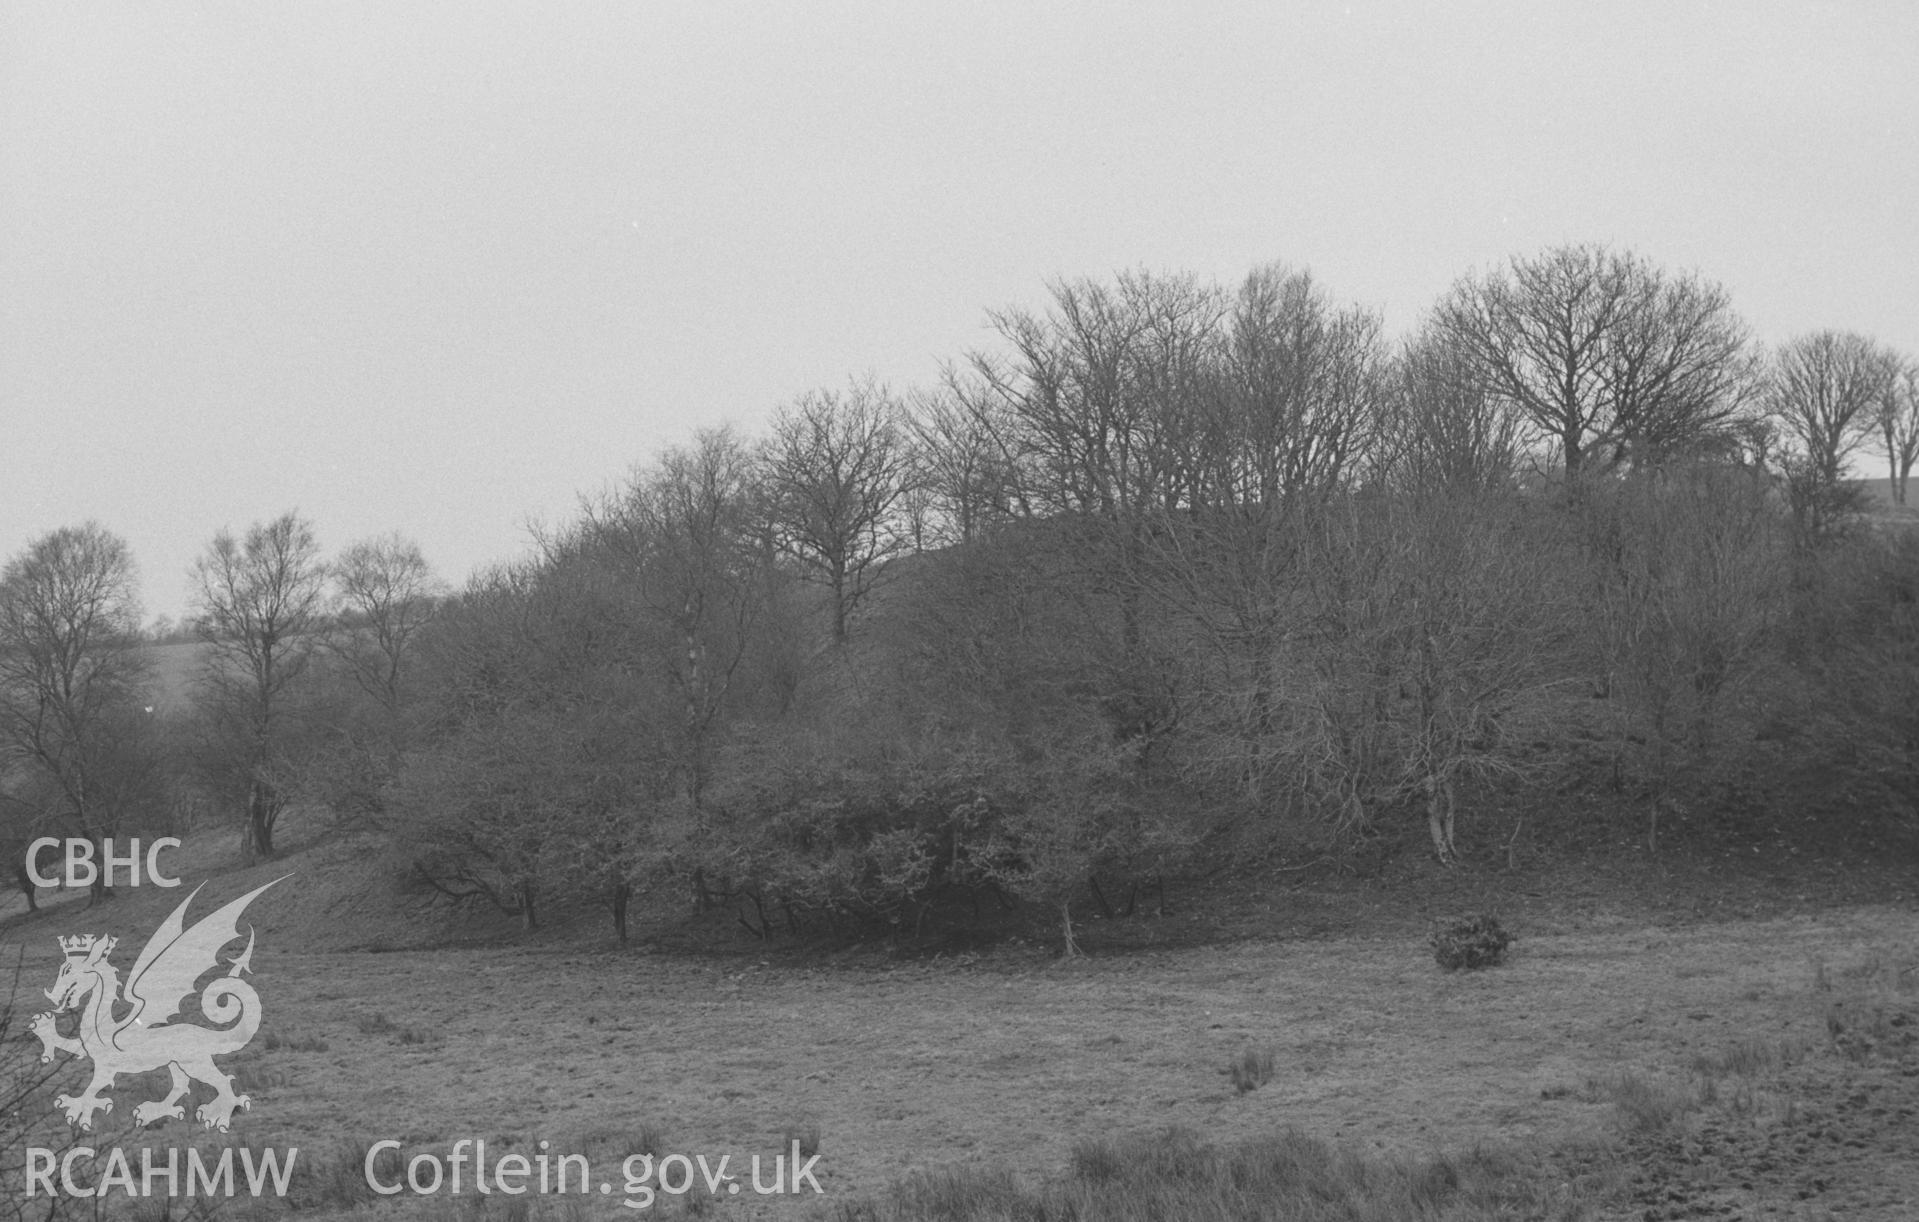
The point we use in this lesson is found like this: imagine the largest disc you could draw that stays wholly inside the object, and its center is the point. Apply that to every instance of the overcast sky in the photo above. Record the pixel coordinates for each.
(441, 268)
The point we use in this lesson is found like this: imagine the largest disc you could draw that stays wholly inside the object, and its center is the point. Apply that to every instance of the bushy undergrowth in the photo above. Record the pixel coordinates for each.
(1475, 942)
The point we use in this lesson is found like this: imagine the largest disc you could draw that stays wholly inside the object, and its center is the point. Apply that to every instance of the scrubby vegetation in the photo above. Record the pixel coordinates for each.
(1472, 943)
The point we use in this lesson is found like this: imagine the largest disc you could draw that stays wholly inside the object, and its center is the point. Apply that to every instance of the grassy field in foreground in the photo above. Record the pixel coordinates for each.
(1624, 1041)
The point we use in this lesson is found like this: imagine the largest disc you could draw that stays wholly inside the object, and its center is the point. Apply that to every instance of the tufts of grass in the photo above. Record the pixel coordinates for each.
(335, 1178)
(472, 1207)
(1881, 976)
(951, 1194)
(1864, 1028)
(1251, 1069)
(1732, 1083)
(1645, 1108)
(380, 1024)
(807, 1135)
(1173, 1176)
(251, 1079)
(1173, 1155)
(648, 1138)
(1869, 1008)
(612, 1145)
(274, 1041)
(1747, 1059)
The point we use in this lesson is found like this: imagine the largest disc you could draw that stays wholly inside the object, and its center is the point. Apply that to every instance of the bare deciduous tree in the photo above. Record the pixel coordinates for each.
(1429, 613)
(386, 595)
(1107, 396)
(1899, 427)
(73, 678)
(1103, 390)
(1827, 391)
(363, 698)
(262, 608)
(545, 770)
(686, 540)
(512, 806)
(1685, 594)
(965, 457)
(1442, 429)
(836, 467)
(1612, 359)
(1293, 409)
(1298, 397)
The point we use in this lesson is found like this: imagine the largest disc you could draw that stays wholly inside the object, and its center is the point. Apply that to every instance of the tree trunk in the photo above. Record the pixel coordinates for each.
(622, 892)
(262, 804)
(47, 862)
(1099, 897)
(1069, 946)
(1439, 817)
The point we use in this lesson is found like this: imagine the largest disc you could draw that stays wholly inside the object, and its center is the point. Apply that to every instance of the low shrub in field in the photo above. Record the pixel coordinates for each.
(1473, 943)
(1251, 1070)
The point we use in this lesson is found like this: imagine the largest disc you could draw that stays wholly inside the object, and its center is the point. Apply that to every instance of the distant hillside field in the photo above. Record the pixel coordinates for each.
(1879, 489)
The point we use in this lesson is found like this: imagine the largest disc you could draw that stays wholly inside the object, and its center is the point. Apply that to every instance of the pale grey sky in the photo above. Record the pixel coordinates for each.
(442, 267)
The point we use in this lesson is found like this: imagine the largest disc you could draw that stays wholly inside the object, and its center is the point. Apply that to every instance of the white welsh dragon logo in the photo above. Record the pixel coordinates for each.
(143, 1039)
